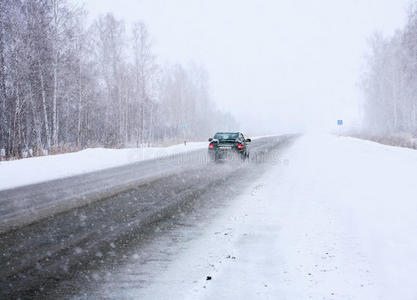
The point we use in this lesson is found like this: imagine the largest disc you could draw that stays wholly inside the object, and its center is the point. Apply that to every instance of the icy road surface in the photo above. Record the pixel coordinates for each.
(54, 232)
(338, 222)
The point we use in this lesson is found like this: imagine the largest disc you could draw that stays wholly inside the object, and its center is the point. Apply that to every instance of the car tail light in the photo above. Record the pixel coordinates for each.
(239, 146)
(211, 145)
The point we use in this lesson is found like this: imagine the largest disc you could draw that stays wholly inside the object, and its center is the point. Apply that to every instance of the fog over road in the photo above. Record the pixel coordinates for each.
(82, 226)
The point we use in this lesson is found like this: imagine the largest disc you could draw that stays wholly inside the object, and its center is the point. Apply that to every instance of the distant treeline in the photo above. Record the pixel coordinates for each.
(66, 85)
(390, 83)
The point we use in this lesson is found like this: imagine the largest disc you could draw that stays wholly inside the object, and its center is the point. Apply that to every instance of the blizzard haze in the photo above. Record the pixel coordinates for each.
(276, 65)
(114, 185)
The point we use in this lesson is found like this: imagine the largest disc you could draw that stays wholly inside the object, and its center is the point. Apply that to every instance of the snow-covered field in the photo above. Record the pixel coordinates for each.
(338, 222)
(38, 169)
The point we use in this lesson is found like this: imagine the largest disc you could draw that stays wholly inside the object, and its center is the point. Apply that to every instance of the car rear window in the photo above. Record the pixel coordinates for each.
(226, 136)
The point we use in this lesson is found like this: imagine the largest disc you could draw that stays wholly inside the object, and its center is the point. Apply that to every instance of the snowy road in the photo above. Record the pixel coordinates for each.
(338, 222)
(91, 219)
(23, 205)
(332, 218)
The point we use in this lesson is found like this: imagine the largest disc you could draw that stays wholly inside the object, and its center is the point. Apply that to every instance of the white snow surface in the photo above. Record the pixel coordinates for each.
(338, 222)
(38, 169)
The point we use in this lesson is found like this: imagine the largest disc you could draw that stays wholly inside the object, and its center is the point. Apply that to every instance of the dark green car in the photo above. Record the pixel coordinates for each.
(226, 144)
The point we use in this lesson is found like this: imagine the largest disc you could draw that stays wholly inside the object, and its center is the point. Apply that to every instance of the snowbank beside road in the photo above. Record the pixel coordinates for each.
(338, 222)
(38, 169)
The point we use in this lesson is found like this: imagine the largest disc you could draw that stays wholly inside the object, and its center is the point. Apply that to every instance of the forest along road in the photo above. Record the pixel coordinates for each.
(54, 230)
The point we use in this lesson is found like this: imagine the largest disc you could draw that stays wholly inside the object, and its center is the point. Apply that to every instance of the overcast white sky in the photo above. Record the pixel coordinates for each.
(277, 65)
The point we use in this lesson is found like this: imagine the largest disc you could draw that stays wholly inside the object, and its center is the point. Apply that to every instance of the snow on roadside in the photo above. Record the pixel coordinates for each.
(38, 169)
(337, 223)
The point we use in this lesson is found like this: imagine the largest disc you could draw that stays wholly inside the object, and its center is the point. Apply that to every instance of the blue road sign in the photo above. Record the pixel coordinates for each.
(339, 122)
